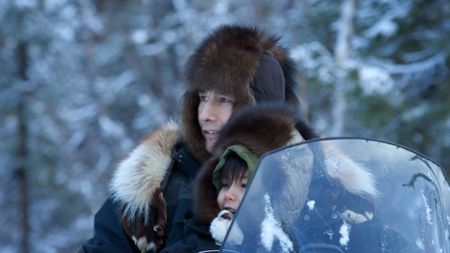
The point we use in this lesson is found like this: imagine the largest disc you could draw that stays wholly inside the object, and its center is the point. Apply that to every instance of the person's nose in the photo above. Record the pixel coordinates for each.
(207, 112)
(231, 193)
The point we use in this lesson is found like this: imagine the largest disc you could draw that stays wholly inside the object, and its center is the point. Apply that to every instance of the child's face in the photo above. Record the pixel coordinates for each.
(231, 193)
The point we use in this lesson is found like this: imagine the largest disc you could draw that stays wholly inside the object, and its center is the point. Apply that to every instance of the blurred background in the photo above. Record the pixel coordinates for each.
(83, 81)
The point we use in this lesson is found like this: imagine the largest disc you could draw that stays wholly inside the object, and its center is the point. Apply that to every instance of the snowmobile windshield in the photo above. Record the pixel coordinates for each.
(343, 195)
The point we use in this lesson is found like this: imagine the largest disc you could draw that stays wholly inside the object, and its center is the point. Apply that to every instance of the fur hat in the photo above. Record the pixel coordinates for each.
(250, 127)
(240, 61)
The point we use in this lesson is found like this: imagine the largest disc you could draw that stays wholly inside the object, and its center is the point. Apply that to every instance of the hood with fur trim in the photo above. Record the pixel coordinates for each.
(239, 61)
(254, 127)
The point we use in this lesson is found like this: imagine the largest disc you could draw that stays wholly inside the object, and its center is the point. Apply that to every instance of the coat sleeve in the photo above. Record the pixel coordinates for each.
(137, 188)
(109, 235)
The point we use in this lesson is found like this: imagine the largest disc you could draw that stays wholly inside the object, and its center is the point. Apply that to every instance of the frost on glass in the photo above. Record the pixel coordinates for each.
(305, 198)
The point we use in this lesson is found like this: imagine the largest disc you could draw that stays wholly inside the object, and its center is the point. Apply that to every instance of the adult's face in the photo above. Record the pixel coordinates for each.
(214, 111)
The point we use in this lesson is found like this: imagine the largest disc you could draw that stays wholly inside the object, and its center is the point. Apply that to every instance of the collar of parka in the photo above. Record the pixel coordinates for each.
(226, 62)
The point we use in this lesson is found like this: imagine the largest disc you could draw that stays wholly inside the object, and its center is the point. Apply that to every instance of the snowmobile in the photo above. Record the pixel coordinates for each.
(343, 195)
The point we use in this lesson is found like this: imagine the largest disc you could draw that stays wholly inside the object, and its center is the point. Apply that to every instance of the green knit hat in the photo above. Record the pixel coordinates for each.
(244, 153)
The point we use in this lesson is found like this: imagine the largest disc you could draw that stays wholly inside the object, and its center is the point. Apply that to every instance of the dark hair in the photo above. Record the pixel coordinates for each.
(234, 168)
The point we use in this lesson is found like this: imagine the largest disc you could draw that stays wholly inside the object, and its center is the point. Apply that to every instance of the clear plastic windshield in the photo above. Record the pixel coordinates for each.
(343, 195)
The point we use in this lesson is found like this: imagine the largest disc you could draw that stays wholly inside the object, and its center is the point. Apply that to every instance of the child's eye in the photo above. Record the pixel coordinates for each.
(244, 182)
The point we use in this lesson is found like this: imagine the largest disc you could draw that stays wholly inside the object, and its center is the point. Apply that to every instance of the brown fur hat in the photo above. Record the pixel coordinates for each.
(240, 61)
(260, 128)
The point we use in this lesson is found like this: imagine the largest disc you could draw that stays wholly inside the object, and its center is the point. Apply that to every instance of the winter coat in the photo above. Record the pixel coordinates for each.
(109, 233)
(197, 238)
(110, 228)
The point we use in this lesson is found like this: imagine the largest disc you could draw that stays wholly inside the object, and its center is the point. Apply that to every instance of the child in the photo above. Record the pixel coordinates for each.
(230, 178)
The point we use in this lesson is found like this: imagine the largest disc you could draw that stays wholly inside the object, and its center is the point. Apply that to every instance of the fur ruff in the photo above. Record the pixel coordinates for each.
(139, 176)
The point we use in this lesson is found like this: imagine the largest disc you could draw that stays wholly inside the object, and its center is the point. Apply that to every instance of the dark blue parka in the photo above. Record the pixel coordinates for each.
(109, 234)
(197, 238)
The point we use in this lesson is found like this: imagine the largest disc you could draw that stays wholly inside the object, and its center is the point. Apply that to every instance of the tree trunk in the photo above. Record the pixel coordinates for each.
(342, 55)
(20, 172)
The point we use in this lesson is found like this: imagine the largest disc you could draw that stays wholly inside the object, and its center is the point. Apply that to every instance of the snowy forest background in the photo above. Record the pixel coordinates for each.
(82, 81)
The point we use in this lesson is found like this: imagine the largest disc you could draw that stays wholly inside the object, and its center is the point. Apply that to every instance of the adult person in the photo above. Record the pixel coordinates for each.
(151, 189)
